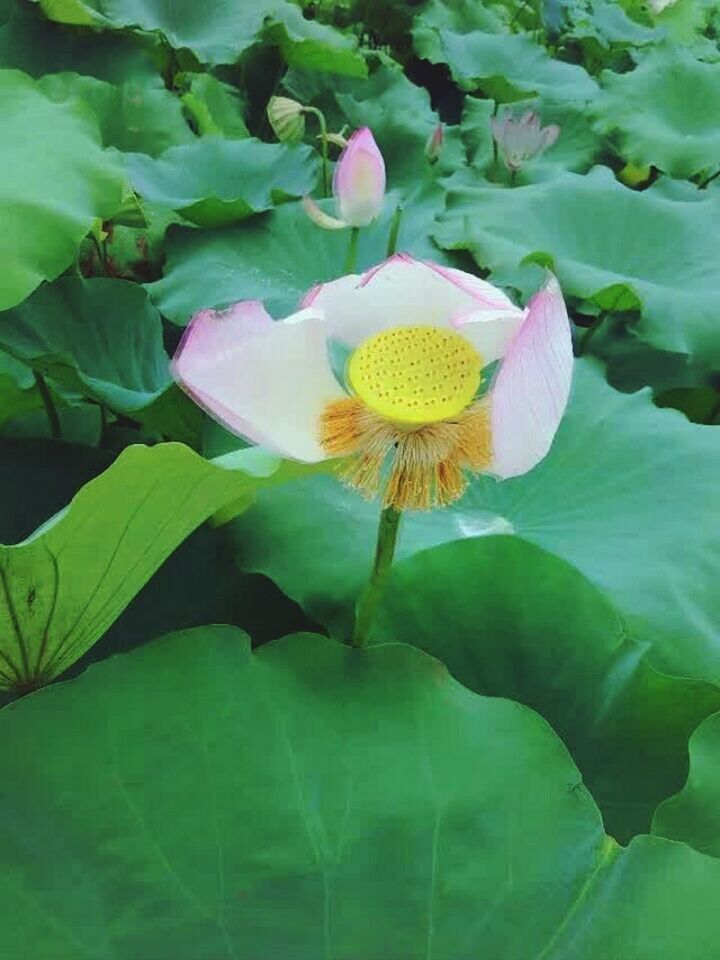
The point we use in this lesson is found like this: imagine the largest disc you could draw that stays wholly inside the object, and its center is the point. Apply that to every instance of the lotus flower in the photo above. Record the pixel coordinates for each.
(522, 138)
(358, 185)
(410, 421)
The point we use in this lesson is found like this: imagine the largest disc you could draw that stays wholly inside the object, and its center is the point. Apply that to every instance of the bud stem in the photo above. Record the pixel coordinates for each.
(351, 256)
(384, 552)
(394, 231)
(49, 404)
(323, 140)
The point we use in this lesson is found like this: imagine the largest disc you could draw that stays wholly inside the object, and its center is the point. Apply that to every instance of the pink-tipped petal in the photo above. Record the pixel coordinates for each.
(531, 390)
(549, 135)
(267, 382)
(403, 292)
(359, 180)
(321, 218)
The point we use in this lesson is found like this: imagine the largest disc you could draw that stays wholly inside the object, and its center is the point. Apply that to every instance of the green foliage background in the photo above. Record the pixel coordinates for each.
(523, 763)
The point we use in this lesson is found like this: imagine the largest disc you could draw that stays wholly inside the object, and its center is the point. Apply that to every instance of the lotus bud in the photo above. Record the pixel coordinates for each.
(359, 181)
(435, 143)
(287, 119)
(522, 138)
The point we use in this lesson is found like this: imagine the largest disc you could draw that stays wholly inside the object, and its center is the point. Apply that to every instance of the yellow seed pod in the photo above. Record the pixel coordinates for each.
(415, 375)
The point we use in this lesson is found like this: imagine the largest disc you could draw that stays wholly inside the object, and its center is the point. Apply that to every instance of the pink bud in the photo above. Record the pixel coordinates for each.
(435, 143)
(359, 181)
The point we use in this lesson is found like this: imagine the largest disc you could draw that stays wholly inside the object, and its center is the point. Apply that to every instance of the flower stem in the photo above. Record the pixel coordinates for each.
(323, 140)
(101, 251)
(384, 553)
(49, 403)
(351, 257)
(394, 231)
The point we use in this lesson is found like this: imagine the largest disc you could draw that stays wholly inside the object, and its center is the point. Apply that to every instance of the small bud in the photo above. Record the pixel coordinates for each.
(359, 182)
(287, 119)
(435, 143)
(522, 138)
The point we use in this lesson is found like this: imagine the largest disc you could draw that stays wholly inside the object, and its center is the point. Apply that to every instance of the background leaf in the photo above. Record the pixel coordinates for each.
(213, 802)
(54, 181)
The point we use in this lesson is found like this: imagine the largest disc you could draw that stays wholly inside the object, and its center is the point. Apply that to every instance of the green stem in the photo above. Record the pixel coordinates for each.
(351, 257)
(384, 553)
(49, 403)
(323, 140)
(394, 231)
(590, 333)
(101, 251)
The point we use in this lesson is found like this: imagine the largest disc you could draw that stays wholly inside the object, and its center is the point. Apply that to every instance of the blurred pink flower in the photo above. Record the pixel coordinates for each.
(358, 185)
(522, 138)
(435, 142)
(410, 419)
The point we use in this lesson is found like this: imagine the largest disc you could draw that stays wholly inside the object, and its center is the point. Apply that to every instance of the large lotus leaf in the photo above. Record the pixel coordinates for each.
(215, 107)
(504, 66)
(693, 816)
(602, 240)
(66, 583)
(102, 338)
(624, 495)
(606, 23)
(218, 31)
(312, 45)
(666, 113)
(54, 181)
(137, 115)
(30, 42)
(214, 182)
(510, 620)
(277, 257)
(194, 800)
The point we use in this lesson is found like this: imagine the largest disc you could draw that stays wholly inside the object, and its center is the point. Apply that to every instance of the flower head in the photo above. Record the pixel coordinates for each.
(522, 138)
(412, 417)
(358, 185)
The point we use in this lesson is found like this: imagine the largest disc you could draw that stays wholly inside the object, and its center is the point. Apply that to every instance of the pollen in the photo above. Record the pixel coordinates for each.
(414, 468)
(415, 375)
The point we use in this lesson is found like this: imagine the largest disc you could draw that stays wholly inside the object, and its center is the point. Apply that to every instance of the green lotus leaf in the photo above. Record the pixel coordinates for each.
(215, 107)
(137, 115)
(665, 113)
(55, 181)
(603, 242)
(312, 45)
(693, 815)
(624, 496)
(510, 620)
(251, 261)
(209, 803)
(218, 31)
(504, 66)
(65, 584)
(101, 338)
(214, 182)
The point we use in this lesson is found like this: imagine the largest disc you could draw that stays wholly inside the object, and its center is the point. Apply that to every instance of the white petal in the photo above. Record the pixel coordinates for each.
(266, 382)
(491, 333)
(403, 292)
